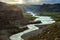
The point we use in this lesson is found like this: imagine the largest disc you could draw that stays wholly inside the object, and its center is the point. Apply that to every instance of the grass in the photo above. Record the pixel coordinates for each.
(28, 17)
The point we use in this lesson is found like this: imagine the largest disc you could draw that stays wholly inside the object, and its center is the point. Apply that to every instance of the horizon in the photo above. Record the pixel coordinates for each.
(35, 2)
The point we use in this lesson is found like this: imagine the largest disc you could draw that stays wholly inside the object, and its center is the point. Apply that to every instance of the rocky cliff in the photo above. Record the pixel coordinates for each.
(11, 19)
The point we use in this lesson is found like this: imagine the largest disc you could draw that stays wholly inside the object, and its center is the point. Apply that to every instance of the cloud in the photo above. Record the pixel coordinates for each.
(42, 1)
(50, 1)
(32, 1)
(13, 1)
(22, 1)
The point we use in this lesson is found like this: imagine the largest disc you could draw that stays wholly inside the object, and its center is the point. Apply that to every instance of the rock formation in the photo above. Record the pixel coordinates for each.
(11, 19)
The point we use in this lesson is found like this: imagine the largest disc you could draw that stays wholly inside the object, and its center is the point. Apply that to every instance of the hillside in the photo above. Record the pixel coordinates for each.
(50, 7)
(11, 19)
(52, 32)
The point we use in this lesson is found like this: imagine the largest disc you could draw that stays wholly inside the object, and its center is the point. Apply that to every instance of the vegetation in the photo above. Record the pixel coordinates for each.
(52, 32)
(50, 7)
(54, 15)
(28, 17)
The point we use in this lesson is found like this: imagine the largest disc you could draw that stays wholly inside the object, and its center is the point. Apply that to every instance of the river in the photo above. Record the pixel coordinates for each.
(32, 27)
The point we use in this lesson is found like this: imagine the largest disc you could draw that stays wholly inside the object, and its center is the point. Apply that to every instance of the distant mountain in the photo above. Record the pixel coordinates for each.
(44, 7)
(33, 8)
(50, 7)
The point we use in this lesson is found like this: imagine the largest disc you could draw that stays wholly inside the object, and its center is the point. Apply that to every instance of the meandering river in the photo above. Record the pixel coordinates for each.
(32, 27)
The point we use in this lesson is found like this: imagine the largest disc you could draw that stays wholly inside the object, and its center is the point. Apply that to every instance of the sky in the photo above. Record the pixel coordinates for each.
(31, 1)
(50, 1)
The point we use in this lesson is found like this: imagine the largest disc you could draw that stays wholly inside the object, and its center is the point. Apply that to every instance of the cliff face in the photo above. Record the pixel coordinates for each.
(10, 15)
(11, 18)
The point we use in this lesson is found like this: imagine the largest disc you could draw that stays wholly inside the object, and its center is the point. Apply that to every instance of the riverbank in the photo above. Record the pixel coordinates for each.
(36, 32)
(54, 15)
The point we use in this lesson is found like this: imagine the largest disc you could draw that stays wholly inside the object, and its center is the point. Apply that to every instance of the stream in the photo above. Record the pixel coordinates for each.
(32, 27)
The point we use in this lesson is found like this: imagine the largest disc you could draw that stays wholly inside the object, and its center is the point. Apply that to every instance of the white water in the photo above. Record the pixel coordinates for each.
(32, 27)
